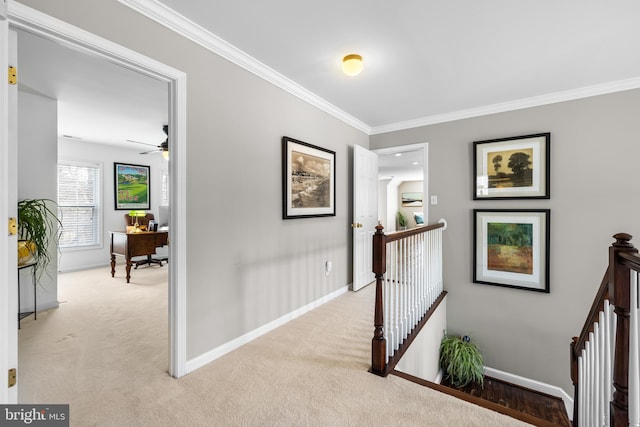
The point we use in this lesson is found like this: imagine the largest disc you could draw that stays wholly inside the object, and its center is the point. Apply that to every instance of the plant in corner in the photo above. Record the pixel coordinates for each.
(402, 220)
(461, 361)
(37, 225)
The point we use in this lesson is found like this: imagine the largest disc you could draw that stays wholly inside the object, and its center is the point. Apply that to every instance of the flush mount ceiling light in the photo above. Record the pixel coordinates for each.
(352, 64)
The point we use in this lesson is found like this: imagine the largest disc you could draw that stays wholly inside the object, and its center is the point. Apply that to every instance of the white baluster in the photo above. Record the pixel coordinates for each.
(388, 302)
(579, 399)
(396, 299)
(590, 394)
(391, 277)
(411, 284)
(597, 393)
(424, 301)
(405, 319)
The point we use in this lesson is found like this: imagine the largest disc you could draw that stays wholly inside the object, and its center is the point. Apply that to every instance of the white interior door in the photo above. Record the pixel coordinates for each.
(365, 214)
(8, 209)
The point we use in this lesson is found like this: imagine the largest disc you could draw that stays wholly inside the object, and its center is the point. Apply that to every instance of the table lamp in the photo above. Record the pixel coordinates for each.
(136, 215)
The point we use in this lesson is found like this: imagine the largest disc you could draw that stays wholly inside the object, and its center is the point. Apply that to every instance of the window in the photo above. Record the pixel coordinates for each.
(164, 189)
(79, 204)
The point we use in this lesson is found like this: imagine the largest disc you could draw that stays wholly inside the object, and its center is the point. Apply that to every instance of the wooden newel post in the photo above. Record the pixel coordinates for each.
(620, 293)
(379, 342)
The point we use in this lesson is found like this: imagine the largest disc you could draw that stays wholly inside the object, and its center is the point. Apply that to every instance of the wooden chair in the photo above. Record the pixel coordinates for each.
(143, 223)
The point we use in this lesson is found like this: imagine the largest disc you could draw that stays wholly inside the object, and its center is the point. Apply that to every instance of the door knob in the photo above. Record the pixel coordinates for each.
(356, 225)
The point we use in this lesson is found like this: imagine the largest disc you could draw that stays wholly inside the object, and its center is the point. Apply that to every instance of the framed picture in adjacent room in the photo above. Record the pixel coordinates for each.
(411, 199)
(308, 180)
(131, 186)
(511, 248)
(509, 168)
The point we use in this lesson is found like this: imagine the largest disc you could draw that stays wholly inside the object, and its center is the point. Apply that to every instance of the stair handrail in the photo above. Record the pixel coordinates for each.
(380, 364)
(615, 291)
(578, 343)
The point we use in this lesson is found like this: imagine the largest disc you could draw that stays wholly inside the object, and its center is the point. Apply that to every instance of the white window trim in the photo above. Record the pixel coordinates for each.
(100, 214)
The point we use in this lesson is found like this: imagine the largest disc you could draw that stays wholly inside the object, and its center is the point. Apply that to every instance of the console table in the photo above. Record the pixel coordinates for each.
(23, 314)
(131, 245)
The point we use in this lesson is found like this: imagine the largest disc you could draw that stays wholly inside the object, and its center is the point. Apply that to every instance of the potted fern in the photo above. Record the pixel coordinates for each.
(37, 225)
(461, 361)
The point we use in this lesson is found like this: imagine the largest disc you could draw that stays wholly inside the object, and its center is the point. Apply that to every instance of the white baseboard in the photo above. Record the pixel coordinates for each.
(81, 268)
(220, 351)
(533, 385)
(50, 305)
(438, 379)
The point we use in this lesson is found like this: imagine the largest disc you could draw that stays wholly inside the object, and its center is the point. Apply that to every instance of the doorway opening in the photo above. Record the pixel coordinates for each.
(378, 200)
(403, 186)
(25, 19)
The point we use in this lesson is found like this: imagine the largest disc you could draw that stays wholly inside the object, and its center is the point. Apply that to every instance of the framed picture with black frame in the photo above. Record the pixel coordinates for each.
(308, 180)
(132, 186)
(512, 168)
(511, 248)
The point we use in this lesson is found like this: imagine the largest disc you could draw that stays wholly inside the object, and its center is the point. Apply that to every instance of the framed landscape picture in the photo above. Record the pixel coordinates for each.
(308, 180)
(411, 199)
(516, 167)
(131, 186)
(511, 248)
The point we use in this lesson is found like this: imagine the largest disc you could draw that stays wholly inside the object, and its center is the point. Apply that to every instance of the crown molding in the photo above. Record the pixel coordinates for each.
(169, 18)
(32, 20)
(536, 101)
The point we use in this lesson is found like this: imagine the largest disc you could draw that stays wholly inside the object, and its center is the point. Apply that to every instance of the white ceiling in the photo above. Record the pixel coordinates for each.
(425, 61)
(98, 101)
(402, 165)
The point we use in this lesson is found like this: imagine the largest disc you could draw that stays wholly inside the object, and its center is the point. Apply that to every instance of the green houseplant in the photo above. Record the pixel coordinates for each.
(37, 225)
(402, 220)
(461, 361)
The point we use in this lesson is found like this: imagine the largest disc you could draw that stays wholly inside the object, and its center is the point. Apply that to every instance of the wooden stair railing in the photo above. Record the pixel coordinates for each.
(615, 290)
(578, 343)
(415, 256)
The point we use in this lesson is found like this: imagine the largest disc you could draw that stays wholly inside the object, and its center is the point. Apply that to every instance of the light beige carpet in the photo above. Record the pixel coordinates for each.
(104, 352)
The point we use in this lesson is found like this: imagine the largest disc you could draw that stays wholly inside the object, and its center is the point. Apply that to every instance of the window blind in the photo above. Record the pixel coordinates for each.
(78, 204)
(164, 189)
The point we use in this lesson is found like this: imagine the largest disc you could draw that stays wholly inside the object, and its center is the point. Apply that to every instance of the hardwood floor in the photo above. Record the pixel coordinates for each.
(528, 405)
(531, 402)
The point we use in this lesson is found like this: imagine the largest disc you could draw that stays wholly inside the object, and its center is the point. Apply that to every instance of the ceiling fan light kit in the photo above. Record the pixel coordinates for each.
(162, 148)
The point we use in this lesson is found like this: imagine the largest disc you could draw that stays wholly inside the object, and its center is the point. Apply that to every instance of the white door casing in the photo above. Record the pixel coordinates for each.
(25, 18)
(365, 214)
(6, 344)
(8, 209)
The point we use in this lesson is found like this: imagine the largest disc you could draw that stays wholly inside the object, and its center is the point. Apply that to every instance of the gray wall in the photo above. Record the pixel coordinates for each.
(246, 266)
(37, 171)
(594, 194)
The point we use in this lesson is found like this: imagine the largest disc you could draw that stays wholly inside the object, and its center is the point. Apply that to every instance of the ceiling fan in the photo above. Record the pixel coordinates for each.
(162, 148)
